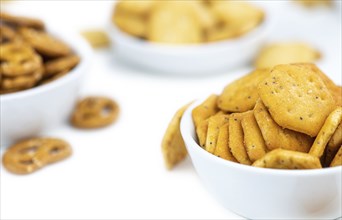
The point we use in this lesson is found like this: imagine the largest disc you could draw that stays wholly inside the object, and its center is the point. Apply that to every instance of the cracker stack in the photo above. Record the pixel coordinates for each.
(287, 117)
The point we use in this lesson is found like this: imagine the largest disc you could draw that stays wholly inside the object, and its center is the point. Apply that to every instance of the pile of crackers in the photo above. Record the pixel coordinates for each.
(186, 22)
(285, 117)
(30, 56)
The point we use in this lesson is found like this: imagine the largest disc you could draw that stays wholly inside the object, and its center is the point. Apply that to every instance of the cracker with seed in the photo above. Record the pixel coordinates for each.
(285, 53)
(173, 146)
(337, 161)
(335, 90)
(201, 131)
(329, 127)
(214, 124)
(277, 137)
(297, 98)
(241, 95)
(222, 148)
(286, 159)
(174, 22)
(205, 110)
(333, 145)
(236, 144)
(254, 142)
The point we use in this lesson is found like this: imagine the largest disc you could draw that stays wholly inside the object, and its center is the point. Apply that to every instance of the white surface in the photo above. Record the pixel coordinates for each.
(259, 193)
(118, 172)
(46, 106)
(195, 59)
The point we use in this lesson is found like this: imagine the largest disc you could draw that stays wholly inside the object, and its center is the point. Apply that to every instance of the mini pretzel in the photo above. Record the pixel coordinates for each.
(19, 21)
(22, 82)
(6, 34)
(95, 112)
(18, 59)
(61, 64)
(44, 43)
(28, 156)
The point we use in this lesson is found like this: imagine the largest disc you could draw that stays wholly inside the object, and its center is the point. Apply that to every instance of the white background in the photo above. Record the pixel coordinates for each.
(118, 172)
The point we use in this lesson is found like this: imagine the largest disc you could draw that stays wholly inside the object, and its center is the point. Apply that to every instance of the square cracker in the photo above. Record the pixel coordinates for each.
(222, 148)
(277, 137)
(241, 95)
(173, 146)
(335, 90)
(214, 124)
(287, 159)
(175, 23)
(254, 142)
(328, 129)
(205, 110)
(236, 144)
(333, 145)
(297, 98)
(201, 132)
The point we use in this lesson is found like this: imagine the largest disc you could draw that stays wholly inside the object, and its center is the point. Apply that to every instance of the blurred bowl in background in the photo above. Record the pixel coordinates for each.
(194, 59)
(260, 193)
(27, 113)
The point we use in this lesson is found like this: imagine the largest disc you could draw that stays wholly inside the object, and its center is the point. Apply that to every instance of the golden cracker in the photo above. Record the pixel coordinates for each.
(285, 53)
(97, 38)
(175, 23)
(241, 16)
(134, 7)
(333, 145)
(335, 90)
(254, 142)
(222, 148)
(297, 98)
(277, 137)
(205, 110)
(286, 159)
(201, 132)
(214, 124)
(173, 146)
(241, 95)
(236, 144)
(131, 24)
(328, 129)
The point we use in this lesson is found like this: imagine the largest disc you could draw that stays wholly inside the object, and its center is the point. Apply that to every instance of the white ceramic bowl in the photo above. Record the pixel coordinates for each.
(194, 59)
(259, 193)
(29, 112)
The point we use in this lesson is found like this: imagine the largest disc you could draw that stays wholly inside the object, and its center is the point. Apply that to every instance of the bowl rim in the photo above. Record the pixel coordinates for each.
(79, 46)
(187, 125)
(164, 48)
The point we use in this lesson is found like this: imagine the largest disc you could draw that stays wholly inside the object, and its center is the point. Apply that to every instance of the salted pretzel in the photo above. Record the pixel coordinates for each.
(94, 112)
(30, 155)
